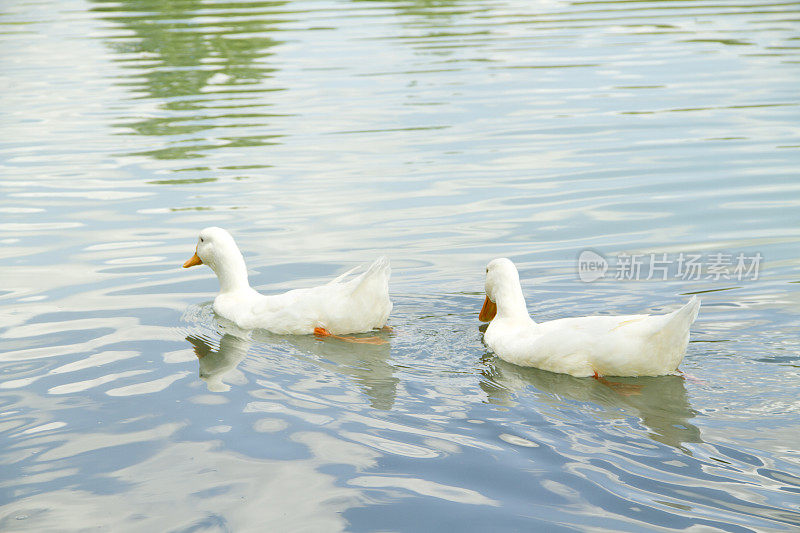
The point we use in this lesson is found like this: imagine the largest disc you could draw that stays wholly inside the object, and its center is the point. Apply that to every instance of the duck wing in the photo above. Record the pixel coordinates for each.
(346, 304)
(610, 345)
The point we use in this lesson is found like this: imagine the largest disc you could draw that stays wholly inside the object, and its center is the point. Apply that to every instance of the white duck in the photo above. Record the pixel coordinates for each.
(628, 345)
(355, 305)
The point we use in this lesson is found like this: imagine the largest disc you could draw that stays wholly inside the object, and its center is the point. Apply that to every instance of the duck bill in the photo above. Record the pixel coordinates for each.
(488, 311)
(193, 261)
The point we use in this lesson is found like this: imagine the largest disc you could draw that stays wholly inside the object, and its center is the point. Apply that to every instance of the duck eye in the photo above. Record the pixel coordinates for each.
(201, 239)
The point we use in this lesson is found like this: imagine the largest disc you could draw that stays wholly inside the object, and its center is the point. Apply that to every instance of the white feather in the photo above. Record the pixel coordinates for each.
(628, 345)
(347, 304)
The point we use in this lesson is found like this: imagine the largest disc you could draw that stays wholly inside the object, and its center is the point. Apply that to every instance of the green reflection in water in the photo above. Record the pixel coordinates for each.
(204, 61)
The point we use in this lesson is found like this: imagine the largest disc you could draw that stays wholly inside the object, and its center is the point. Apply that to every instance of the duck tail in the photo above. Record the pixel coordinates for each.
(379, 271)
(341, 277)
(370, 290)
(683, 318)
(669, 335)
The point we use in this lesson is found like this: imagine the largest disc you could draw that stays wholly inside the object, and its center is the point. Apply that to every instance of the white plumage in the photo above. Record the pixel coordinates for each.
(628, 345)
(348, 304)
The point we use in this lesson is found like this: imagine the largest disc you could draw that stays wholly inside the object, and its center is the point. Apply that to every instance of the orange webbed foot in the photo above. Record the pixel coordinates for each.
(322, 332)
(688, 377)
(625, 389)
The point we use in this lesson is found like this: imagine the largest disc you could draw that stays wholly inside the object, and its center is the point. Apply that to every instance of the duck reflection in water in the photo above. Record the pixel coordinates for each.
(367, 364)
(660, 403)
(215, 364)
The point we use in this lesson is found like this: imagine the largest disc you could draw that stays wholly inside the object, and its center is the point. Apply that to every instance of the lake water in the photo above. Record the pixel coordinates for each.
(442, 134)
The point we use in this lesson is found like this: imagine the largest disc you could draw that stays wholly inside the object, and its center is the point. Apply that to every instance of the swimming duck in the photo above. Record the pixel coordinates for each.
(347, 304)
(628, 345)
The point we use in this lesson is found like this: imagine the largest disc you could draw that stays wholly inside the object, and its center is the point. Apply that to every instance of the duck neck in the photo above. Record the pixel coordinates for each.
(511, 303)
(231, 273)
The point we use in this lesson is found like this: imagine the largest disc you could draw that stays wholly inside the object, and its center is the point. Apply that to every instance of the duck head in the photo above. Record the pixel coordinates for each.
(503, 291)
(217, 249)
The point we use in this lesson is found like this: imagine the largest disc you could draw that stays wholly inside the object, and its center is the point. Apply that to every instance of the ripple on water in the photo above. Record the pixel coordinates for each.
(442, 134)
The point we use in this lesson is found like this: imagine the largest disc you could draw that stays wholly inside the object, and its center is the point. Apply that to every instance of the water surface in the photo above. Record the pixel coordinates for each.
(442, 134)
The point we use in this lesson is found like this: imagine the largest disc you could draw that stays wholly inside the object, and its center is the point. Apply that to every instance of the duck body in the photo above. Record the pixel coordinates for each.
(348, 304)
(627, 345)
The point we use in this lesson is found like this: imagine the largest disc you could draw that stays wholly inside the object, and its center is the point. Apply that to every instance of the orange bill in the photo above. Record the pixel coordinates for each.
(488, 311)
(193, 261)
